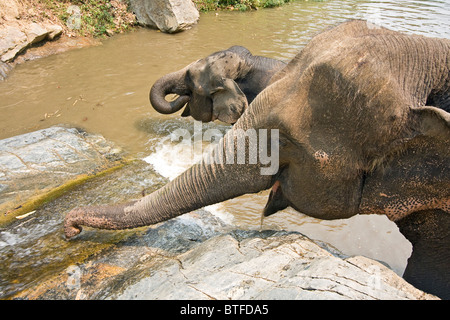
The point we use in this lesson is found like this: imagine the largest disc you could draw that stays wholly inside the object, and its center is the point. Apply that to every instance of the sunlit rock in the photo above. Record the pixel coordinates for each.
(166, 15)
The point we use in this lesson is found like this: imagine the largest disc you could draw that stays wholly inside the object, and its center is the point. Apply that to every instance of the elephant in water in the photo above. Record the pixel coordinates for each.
(220, 86)
(360, 123)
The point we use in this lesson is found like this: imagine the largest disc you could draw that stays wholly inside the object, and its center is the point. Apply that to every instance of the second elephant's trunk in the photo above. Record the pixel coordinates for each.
(170, 83)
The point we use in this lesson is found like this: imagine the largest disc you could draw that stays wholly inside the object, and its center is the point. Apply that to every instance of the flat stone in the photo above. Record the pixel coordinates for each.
(281, 266)
(35, 33)
(193, 257)
(38, 161)
(53, 31)
(12, 41)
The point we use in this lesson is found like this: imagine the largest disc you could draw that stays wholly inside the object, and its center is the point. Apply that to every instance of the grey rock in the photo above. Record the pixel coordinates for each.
(38, 161)
(34, 249)
(12, 41)
(166, 15)
(16, 37)
(53, 31)
(196, 256)
(35, 33)
(280, 266)
(4, 70)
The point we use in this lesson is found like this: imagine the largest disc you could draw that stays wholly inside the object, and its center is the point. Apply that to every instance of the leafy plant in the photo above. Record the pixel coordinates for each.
(242, 5)
(97, 17)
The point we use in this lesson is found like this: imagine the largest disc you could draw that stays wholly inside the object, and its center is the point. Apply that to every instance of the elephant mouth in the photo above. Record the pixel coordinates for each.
(186, 112)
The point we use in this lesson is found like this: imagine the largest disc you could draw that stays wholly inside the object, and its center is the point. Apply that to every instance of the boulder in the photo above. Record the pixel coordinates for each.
(16, 37)
(12, 41)
(194, 257)
(166, 15)
(269, 265)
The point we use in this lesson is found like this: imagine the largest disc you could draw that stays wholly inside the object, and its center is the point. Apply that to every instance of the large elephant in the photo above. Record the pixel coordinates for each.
(220, 86)
(363, 125)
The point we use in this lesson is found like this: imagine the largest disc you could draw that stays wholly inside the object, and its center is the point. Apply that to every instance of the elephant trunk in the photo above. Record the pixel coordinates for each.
(203, 184)
(170, 83)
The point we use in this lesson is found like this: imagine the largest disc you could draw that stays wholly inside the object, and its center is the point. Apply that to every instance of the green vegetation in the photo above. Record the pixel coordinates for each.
(92, 17)
(242, 5)
(106, 17)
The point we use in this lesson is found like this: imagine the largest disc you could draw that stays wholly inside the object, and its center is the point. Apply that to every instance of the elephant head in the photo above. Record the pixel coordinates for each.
(219, 86)
(353, 135)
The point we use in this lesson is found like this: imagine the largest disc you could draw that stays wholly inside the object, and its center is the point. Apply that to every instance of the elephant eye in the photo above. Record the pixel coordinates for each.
(188, 79)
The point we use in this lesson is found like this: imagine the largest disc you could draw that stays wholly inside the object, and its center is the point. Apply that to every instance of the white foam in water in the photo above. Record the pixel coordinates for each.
(7, 239)
(172, 159)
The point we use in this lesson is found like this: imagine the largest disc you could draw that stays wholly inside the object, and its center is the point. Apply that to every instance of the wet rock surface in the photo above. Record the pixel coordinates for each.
(34, 249)
(34, 163)
(194, 257)
(166, 15)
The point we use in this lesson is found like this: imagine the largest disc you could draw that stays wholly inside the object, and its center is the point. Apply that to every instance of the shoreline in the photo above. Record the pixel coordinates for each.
(106, 19)
(34, 29)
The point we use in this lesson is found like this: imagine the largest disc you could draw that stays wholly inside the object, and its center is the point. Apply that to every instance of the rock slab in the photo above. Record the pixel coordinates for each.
(194, 257)
(252, 265)
(166, 15)
(44, 159)
(16, 37)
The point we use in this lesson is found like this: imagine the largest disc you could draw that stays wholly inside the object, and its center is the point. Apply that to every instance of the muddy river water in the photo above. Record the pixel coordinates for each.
(104, 89)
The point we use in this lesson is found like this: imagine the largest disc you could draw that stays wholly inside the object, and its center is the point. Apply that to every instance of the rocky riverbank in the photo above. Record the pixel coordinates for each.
(31, 29)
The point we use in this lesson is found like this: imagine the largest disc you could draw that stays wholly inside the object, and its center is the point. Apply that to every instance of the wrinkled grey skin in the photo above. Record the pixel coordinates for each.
(220, 86)
(364, 128)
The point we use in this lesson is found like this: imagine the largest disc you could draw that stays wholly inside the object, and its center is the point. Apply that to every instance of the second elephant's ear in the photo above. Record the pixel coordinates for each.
(432, 122)
(229, 102)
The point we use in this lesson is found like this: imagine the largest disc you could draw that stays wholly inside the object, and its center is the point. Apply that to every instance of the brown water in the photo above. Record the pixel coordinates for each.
(104, 89)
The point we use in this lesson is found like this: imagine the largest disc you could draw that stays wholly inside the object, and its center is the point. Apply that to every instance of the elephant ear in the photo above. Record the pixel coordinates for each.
(432, 122)
(229, 102)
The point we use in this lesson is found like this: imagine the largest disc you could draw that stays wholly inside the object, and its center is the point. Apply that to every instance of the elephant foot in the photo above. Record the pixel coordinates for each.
(428, 267)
